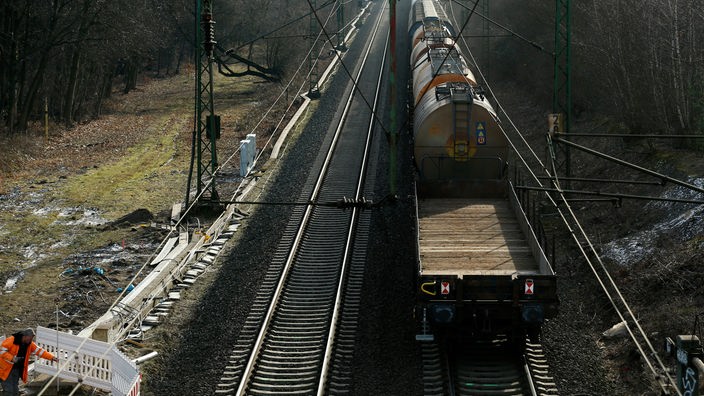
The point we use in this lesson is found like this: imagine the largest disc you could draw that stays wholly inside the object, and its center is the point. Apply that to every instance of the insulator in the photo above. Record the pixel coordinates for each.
(208, 26)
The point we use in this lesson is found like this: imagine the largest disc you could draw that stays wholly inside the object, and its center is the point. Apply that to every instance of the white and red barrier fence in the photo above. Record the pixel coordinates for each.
(90, 362)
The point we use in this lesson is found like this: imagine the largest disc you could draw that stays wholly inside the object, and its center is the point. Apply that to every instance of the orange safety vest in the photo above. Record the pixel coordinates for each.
(8, 351)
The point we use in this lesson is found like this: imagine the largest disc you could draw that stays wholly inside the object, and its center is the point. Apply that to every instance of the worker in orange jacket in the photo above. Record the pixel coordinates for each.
(14, 359)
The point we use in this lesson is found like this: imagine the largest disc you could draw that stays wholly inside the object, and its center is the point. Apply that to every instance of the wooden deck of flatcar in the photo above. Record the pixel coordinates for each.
(472, 237)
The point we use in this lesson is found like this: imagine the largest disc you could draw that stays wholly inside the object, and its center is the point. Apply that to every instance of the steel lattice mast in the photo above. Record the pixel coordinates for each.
(562, 86)
(393, 138)
(313, 90)
(341, 46)
(207, 125)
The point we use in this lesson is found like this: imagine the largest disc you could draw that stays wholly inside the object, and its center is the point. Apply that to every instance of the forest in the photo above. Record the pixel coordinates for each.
(640, 62)
(68, 56)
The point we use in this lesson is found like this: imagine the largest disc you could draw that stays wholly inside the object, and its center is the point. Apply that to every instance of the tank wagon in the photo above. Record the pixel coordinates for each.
(481, 270)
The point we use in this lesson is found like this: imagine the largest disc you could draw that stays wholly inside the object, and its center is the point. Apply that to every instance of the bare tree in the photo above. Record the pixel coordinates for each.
(73, 52)
(641, 61)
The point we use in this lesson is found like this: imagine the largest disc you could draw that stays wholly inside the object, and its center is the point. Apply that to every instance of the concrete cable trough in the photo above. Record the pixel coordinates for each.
(178, 266)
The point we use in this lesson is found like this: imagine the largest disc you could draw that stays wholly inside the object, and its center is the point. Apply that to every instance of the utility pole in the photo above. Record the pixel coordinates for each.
(486, 32)
(207, 128)
(392, 81)
(561, 118)
(313, 90)
(341, 46)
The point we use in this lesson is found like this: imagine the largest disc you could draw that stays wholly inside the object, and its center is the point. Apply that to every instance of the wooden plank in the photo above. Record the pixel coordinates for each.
(168, 246)
(470, 228)
(496, 251)
(473, 265)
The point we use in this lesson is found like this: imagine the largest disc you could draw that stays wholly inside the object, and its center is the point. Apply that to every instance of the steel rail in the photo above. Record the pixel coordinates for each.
(268, 320)
(355, 211)
(490, 367)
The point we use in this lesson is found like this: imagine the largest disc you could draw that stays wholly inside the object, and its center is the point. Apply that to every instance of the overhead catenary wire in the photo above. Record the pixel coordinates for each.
(574, 235)
(508, 30)
(304, 36)
(632, 166)
(610, 181)
(192, 205)
(618, 196)
(238, 189)
(342, 29)
(236, 151)
(286, 24)
(564, 219)
(293, 102)
(449, 50)
(283, 92)
(629, 135)
(349, 75)
(265, 115)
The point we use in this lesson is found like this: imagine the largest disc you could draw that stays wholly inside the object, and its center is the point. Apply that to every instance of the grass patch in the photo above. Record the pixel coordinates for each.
(153, 173)
(135, 156)
(30, 230)
(145, 177)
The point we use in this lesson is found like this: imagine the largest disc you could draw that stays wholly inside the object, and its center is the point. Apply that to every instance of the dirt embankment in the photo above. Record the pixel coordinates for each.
(650, 248)
(78, 211)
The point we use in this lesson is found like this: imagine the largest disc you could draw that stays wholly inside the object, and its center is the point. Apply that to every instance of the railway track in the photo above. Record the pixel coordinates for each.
(488, 367)
(299, 335)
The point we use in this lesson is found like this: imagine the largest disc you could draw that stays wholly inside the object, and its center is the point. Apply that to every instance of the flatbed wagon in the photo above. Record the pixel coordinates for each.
(480, 268)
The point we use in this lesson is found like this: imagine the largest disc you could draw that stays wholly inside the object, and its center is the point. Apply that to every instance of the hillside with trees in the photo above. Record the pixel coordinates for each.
(68, 56)
(639, 62)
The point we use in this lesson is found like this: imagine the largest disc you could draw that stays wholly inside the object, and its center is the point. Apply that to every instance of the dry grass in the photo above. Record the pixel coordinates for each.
(134, 156)
(15, 152)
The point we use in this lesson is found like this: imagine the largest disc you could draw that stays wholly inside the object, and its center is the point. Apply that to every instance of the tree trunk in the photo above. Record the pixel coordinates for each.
(181, 51)
(26, 108)
(169, 61)
(31, 94)
(680, 96)
(82, 87)
(5, 59)
(68, 108)
(10, 68)
(103, 92)
(158, 62)
(70, 96)
(130, 75)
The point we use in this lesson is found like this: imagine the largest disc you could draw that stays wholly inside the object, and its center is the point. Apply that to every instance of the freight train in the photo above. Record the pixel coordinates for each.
(480, 268)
